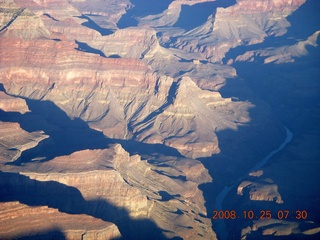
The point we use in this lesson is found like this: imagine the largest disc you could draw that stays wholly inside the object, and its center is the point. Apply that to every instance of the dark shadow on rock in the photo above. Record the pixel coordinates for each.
(2, 88)
(66, 135)
(49, 16)
(114, 56)
(183, 178)
(13, 18)
(142, 8)
(17, 187)
(91, 24)
(290, 102)
(69, 135)
(197, 14)
(169, 101)
(86, 48)
(135, 147)
(293, 92)
(165, 196)
(48, 235)
(241, 149)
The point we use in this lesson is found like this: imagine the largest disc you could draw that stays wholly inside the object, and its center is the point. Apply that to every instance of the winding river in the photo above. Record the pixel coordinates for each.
(221, 225)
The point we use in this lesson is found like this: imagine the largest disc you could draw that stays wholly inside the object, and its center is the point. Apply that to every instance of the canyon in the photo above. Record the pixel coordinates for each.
(125, 119)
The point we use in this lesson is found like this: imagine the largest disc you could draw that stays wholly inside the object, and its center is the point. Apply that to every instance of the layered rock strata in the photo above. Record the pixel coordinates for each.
(125, 189)
(123, 97)
(155, 82)
(19, 220)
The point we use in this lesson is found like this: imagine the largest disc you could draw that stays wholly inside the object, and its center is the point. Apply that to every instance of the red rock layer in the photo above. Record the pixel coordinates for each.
(132, 184)
(19, 220)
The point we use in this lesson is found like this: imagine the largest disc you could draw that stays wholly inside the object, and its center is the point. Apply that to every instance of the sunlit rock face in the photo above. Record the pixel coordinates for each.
(126, 97)
(116, 192)
(111, 185)
(260, 191)
(105, 105)
(12, 104)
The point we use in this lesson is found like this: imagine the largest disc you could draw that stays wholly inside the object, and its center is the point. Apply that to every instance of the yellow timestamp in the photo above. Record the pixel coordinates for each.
(263, 214)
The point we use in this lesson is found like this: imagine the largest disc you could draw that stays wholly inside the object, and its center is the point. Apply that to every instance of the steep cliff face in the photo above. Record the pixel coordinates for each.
(107, 188)
(91, 93)
(123, 97)
(142, 190)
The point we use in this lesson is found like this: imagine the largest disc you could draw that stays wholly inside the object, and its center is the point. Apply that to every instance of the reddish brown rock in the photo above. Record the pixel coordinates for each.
(149, 85)
(12, 104)
(20, 220)
(131, 183)
(124, 97)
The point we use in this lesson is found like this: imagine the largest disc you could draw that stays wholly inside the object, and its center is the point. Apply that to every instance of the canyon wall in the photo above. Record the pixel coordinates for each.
(124, 119)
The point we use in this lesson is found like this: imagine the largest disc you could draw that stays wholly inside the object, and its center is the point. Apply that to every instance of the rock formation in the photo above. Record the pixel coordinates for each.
(107, 187)
(266, 191)
(106, 105)
(11, 104)
(14, 141)
(278, 228)
(145, 191)
(20, 220)
(246, 22)
(123, 97)
(284, 54)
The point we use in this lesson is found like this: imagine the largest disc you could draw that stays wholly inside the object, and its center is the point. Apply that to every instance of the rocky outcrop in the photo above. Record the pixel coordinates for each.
(14, 141)
(260, 191)
(12, 104)
(95, 97)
